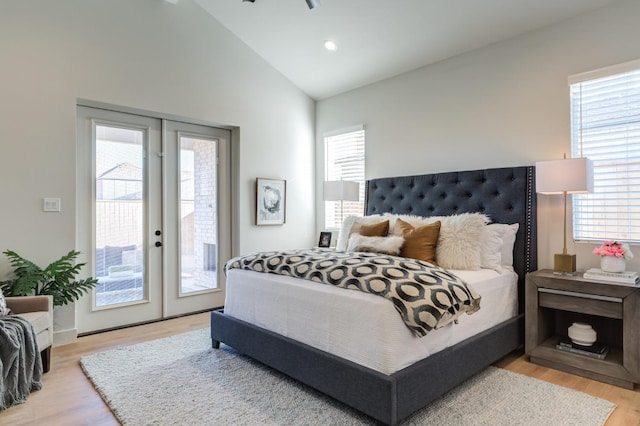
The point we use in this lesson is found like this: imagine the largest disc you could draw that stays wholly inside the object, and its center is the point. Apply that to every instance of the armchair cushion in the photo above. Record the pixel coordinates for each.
(39, 321)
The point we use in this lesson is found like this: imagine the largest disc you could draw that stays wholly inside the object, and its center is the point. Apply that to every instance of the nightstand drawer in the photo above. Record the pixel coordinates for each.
(610, 307)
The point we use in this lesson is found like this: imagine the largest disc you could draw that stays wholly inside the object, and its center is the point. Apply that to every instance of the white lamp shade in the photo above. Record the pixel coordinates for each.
(571, 175)
(341, 190)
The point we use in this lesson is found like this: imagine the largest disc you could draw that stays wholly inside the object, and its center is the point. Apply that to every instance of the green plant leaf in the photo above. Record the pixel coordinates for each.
(28, 275)
(58, 279)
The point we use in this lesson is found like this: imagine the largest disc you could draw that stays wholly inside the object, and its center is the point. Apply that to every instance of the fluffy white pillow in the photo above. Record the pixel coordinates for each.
(459, 241)
(4, 310)
(386, 245)
(350, 225)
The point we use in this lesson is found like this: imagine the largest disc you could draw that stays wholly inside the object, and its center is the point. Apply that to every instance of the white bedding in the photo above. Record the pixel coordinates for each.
(357, 326)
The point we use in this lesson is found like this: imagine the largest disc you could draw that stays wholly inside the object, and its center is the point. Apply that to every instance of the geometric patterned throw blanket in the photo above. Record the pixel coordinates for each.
(426, 296)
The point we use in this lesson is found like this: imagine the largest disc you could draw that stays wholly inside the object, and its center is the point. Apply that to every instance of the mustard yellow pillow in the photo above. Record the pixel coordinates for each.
(419, 242)
(380, 229)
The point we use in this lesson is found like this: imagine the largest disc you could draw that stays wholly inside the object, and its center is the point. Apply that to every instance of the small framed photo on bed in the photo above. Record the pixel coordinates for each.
(271, 199)
(325, 239)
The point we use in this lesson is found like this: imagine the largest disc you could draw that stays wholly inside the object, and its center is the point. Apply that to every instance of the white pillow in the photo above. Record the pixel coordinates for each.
(491, 247)
(386, 245)
(4, 310)
(350, 225)
(459, 240)
(498, 257)
(508, 240)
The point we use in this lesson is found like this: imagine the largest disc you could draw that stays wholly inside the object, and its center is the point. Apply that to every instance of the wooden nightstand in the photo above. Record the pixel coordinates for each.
(554, 302)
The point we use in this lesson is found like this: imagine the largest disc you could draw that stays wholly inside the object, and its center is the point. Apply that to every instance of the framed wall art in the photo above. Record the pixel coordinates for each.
(271, 199)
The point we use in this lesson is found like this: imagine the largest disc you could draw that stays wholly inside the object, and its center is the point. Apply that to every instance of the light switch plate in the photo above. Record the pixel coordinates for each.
(51, 205)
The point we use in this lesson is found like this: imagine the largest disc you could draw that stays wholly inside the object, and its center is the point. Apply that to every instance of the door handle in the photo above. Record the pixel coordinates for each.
(158, 244)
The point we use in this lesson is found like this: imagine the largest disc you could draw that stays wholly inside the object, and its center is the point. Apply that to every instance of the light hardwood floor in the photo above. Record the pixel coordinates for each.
(69, 399)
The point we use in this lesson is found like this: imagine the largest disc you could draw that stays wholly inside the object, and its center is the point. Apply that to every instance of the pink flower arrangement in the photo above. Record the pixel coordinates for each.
(614, 248)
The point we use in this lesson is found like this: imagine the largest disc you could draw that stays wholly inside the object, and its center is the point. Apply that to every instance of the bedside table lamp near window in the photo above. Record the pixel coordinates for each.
(566, 176)
(341, 190)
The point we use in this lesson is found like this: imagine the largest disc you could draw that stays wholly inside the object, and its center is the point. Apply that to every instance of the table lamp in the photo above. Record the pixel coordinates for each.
(341, 190)
(566, 176)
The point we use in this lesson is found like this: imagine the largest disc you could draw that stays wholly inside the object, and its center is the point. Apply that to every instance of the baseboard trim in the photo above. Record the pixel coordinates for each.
(65, 337)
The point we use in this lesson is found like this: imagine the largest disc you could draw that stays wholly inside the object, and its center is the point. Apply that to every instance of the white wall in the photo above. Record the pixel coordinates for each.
(153, 56)
(503, 105)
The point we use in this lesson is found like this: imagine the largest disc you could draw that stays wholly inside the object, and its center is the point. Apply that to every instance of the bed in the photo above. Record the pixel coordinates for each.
(507, 196)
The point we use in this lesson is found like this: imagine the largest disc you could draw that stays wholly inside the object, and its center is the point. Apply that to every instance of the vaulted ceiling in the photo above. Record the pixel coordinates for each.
(378, 39)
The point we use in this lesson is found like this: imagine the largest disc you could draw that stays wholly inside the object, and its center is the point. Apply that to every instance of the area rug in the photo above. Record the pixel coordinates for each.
(180, 380)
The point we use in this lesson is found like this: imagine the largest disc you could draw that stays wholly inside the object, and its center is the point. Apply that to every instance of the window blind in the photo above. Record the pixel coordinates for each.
(605, 127)
(344, 160)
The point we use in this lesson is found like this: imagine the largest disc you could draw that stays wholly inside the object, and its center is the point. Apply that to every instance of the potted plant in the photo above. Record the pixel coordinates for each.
(58, 279)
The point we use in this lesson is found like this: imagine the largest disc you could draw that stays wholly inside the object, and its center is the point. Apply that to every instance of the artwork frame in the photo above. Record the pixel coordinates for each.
(271, 201)
(325, 239)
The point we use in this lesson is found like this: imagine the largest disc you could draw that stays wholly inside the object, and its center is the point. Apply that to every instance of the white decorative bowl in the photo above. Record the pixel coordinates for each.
(582, 334)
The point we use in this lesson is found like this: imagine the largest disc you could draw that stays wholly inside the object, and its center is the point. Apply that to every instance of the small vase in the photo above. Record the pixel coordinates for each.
(582, 334)
(612, 264)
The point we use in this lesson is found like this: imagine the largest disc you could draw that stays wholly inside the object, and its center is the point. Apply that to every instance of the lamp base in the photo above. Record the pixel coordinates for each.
(564, 264)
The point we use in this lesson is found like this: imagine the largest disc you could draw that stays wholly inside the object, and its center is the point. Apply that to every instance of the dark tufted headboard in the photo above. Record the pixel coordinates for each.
(506, 195)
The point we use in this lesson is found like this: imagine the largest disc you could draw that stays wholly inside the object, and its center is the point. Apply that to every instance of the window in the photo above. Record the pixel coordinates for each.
(605, 127)
(344, 160)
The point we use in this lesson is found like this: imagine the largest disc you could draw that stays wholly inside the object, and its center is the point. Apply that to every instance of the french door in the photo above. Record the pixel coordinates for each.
(153, 216)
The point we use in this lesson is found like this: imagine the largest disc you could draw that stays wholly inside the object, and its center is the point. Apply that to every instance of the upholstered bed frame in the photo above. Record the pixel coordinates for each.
(506, 195)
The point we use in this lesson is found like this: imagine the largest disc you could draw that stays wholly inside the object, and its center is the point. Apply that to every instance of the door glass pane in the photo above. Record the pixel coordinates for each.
(119, 185)
(198, 214)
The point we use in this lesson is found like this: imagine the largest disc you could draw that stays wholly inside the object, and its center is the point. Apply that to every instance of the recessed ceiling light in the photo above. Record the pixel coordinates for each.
(330, 45)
